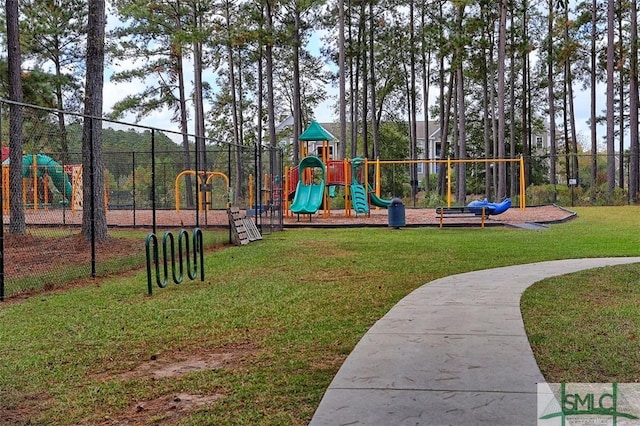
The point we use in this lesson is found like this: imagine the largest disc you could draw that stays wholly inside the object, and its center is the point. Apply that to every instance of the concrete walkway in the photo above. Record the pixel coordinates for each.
(453, 352)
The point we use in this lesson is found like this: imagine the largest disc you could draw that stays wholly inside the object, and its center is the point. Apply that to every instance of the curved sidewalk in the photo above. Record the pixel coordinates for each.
(453, 352)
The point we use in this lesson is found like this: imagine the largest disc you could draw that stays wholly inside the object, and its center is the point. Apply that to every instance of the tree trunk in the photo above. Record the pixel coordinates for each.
(461, 175)
(413, 104)
(93, 212)
(489, 116)
(176, 51)
(611, 159)
(233, 90)
(269, 12)
(365, 80)
(634, 166)
(372, 81)
(297, 107)
(502, 42)
(621, 128)
(552, 99)
(64, 146)
(572, 123)
(572, 116)
(342, 71)
(513, 169)
(353, 89)
(445, 113)
(592, 120)
(494, 122)
(198, 104)
(526, 132)
(565, 124)
(260, 91)
(16, 209)
(426, 73)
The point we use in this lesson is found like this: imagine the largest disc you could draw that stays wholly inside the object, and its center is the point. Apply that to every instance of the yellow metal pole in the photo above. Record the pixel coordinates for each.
(448, 181)
(251, 205)
(365, 175)
(200, 201)
(378, 176)
(25, 182)
(267, 187)
(177, 188)
(523, 189)
(35, 182)
(211, 175)
(177, 192)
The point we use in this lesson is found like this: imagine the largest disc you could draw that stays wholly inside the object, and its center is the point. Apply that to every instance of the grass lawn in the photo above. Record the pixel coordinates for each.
(261, 338)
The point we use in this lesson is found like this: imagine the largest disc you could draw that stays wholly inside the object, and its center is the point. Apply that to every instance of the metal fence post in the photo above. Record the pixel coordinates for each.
(92, 191)
(153, 179)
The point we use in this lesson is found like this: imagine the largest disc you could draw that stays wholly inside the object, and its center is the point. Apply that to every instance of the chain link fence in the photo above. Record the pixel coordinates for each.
(152, 183)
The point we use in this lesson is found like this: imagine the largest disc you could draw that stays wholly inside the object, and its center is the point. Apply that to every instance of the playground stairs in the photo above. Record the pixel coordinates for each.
(359, 198)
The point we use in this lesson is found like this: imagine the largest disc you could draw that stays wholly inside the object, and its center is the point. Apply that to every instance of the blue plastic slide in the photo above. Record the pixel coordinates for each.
(308, 197)
(490, 208)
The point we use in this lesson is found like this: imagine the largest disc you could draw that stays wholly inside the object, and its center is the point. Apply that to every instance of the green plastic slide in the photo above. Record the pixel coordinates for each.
(358, 194)
(377, 201)
(308, 197)
(54, 170)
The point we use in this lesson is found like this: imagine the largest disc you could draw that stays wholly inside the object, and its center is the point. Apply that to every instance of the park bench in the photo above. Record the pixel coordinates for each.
(462, 212)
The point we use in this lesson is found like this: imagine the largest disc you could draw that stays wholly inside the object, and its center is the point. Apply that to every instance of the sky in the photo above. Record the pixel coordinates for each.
(324, 112)
(162, 119)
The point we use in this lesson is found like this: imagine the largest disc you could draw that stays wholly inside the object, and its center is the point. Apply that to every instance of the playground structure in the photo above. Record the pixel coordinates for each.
(205, 203)
(310, 189)
(312, 184)
(352, 174)
(449, 163)
(38, 171)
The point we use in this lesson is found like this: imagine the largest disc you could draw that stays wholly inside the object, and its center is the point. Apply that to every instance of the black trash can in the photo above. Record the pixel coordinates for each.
(396, 213)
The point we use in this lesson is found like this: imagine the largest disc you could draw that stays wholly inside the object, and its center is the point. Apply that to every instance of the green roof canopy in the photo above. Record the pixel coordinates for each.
(315, 132)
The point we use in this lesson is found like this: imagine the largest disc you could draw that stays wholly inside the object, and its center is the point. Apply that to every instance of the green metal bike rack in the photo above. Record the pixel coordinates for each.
(193, 253)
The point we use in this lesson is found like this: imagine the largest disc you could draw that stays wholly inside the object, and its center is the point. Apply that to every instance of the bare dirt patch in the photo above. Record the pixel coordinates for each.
(168, 409)
(162, 366)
